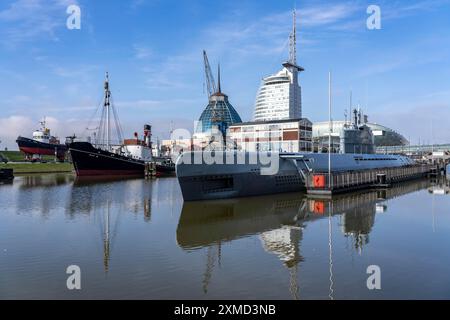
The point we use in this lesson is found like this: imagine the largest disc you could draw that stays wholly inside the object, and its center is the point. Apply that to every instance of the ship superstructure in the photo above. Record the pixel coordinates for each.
(42, 143)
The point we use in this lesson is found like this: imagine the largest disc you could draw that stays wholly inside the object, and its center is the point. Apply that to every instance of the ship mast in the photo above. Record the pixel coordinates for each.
(108, 113)
(107, 106)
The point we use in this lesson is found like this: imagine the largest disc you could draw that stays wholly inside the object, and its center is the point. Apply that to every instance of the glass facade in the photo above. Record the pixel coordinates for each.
(279, 97)
(219, 113)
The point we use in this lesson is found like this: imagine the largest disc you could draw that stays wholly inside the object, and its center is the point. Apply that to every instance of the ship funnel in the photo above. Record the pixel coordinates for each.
(148, 135)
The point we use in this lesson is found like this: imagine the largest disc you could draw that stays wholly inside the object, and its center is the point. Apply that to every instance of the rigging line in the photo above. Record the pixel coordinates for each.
(103, 133)
(91, 118)
(101, 129)
(119, 130)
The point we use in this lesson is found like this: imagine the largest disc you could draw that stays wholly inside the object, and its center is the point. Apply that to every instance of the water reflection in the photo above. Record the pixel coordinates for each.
(45, 181)
(280, 222)
(440, 186)
(103, 199)
(107, 199)
(136, 238)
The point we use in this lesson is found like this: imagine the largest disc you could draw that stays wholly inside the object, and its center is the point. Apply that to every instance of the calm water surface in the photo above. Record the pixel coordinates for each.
(137, 239)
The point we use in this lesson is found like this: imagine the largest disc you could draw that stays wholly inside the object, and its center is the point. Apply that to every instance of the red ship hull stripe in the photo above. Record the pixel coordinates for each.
(30, 150)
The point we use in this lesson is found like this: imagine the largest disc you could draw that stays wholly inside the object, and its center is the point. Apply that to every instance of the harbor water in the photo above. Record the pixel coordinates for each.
(137, 239)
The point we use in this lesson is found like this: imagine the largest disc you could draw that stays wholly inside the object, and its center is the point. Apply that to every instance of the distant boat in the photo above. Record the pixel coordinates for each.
(42, 143)
(125, 159)
(6, 175)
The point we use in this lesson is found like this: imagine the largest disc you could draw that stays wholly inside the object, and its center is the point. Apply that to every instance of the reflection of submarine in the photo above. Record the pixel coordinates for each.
(208, 222)
(279, 220)
(204, 223)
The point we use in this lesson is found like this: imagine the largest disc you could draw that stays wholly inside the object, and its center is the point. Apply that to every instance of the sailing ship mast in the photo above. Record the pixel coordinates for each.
(104, 136)
(107, 105)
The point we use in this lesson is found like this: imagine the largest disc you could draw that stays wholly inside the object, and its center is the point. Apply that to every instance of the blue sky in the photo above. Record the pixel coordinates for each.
(153, 51)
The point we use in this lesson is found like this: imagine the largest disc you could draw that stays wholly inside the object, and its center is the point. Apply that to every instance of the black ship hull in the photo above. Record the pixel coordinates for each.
(30, 147)
(164, 167)
(165, 170)
(90, 161)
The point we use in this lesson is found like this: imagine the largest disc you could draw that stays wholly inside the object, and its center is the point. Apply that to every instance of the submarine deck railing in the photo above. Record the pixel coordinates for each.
(325, 183)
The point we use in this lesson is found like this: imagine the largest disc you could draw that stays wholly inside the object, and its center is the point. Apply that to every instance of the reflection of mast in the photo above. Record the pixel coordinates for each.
(432, 213)
(293, 265)
(106, 240)
(330, 245)
(108, 235)
(210, 263)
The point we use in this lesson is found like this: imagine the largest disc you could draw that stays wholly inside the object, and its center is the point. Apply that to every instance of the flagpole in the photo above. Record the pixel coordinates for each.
(330, 129)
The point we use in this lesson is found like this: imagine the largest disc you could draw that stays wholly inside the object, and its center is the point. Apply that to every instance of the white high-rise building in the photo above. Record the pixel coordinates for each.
(279, 96)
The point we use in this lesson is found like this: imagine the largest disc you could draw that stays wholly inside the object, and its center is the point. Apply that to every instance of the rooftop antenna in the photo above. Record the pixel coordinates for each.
(293, 40)
(292, 62)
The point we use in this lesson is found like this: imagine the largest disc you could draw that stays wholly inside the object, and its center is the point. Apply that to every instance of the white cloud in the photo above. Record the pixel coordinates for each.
(396, 11)
(171, 103)
(12, 127)
(142, 52)
(239, 41)
(327, 14)
(26, 20)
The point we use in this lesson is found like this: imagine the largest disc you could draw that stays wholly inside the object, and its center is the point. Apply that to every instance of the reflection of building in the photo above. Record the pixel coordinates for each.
(285, 243)
(292, 135)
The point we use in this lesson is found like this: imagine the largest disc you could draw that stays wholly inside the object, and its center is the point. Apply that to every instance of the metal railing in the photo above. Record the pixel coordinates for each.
(354, 179)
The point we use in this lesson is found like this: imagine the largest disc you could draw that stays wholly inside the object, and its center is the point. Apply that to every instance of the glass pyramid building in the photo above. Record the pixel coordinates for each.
(219, 113)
